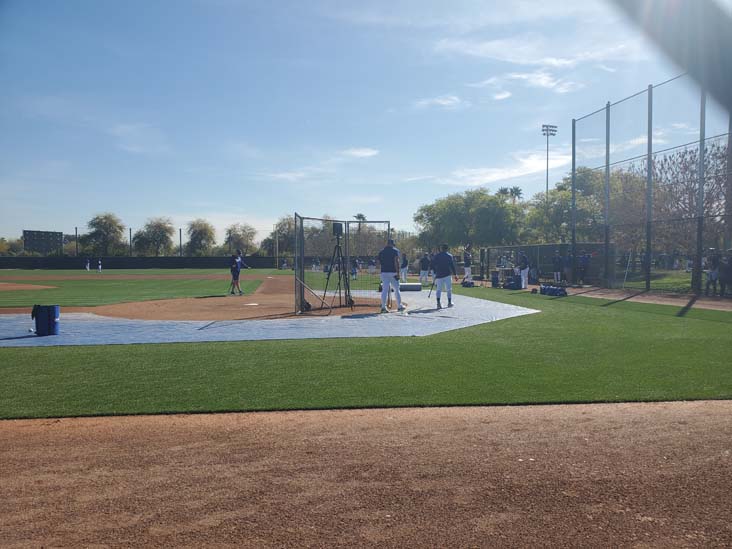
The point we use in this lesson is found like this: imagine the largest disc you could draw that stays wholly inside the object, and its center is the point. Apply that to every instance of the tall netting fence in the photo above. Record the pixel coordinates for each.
(335, 261)
(365, 239)
(659, 196)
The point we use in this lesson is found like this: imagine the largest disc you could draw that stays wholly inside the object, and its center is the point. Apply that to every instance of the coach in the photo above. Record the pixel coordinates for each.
(443, 265)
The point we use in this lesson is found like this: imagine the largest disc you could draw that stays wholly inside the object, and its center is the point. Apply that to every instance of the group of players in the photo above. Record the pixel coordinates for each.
(441, 265)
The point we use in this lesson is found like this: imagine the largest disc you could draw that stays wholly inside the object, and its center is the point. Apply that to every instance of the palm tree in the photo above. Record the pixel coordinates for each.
(515, 193)
(361, 219)
(503, 192)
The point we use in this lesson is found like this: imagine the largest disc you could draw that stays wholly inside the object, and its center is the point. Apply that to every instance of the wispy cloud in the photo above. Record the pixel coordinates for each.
(531, 50)
(524, 163)
(536, 79)
(500, 96)
(449, 102)
(360, 152)
(139, 139)
(242, 149)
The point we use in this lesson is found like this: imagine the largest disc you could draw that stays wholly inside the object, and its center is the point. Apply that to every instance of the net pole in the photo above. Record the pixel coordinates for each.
(574, 200)
(607, 195)
(649, 189)
(728, 189)
(700, 195)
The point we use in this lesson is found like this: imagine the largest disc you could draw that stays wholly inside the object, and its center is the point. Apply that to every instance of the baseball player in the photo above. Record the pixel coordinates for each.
(404, 268)
(443, 266)
(389, 259)
(468, 263)
(424, 269)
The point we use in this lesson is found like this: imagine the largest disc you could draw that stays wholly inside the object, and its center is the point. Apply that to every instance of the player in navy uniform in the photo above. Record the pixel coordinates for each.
(424, 269)
(523, 266)
(557, 267)
(237, 264)
(389, 259)
(404, 268)
(443, 266)
(468, 263)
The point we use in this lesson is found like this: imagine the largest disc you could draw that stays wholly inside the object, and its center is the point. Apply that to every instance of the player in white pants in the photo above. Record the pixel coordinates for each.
(389, 259)
(443, 265)
(468, 263)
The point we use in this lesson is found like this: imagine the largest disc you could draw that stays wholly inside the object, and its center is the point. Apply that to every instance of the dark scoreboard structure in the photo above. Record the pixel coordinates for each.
(43, 242)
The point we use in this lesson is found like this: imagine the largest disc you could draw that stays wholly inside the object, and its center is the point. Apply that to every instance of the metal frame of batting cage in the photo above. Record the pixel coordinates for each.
(302, 290)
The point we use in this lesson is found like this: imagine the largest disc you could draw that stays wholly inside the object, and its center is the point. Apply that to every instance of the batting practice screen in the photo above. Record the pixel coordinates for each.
(318, 247)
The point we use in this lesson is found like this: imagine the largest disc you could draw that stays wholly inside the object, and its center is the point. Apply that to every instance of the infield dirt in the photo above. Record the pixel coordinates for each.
(607, 475)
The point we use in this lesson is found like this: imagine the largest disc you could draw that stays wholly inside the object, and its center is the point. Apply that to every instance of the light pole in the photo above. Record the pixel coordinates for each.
(548, 130)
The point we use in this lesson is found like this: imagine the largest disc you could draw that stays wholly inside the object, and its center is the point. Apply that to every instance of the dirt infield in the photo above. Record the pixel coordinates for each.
(639, 296)
(273, 299)
(641, 475)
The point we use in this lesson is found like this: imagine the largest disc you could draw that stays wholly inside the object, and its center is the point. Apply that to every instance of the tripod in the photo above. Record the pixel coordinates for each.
(343, 287)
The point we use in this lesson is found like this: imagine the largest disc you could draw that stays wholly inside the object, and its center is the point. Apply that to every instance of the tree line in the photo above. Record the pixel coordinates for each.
(502, 219)
(107, 236)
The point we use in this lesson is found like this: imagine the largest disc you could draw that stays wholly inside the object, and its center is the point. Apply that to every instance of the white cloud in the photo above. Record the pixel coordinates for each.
(500, 96)
(461, 16)
(242, 149)
(536, 79)
(360, 152)
(532, 49)
(525, 163)
(290, 177)
(139, 138)
(450, 102)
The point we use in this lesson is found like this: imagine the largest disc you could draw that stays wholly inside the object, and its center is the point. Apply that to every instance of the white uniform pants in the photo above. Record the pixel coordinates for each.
(444, 283)
(403, 273)
(424, 277)
(469, 274)
(389, 280)
(524, 278)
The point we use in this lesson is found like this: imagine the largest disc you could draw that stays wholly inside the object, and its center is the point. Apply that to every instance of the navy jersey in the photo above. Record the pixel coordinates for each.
(424, 263)
(405, 261)
(444, 265)
(557, 263)
(235, 266)
(387, 258)
(467, 258)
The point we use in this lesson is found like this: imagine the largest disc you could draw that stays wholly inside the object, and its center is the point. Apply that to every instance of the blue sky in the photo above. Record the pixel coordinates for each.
(240, 111)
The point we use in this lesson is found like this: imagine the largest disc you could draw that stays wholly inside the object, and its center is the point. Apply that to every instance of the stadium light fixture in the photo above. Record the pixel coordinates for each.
(549, 130)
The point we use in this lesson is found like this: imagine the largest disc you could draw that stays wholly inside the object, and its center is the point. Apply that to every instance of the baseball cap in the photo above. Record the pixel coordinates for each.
(390, 242)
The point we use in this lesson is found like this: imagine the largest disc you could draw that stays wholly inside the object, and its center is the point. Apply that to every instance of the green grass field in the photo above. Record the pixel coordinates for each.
(104, 289)
(665, 281)
(577, 349)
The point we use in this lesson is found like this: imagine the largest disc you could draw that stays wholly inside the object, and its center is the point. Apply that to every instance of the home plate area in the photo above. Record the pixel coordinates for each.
(421, 318)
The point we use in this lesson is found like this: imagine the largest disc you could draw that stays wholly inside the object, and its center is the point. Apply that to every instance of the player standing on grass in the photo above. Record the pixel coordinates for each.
(404, 269)
(389, 259)
(237, 264)
(443, 266)
(424, 269)
(468, 262)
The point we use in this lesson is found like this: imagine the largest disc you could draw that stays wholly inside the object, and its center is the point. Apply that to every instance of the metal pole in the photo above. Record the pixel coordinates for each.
(728, 191)
(700, 196)
(547, 169)
(649, 189)
(574, 202)
(276, 246)
(76, 231)
(608, 281)
(180, 242)
(130, 241)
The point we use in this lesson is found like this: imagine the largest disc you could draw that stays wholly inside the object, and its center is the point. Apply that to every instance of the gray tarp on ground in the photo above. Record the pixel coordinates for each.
(422, 319)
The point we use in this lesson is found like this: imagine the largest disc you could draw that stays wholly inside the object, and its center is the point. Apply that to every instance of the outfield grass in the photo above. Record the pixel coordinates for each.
(678, 281)
(98, 291)
(17, 274)
(577, 350)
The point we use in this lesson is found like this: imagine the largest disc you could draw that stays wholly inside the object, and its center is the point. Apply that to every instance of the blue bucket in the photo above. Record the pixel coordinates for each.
(47, 319)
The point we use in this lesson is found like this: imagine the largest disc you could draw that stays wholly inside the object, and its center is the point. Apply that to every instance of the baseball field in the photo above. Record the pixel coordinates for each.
(489, 464)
